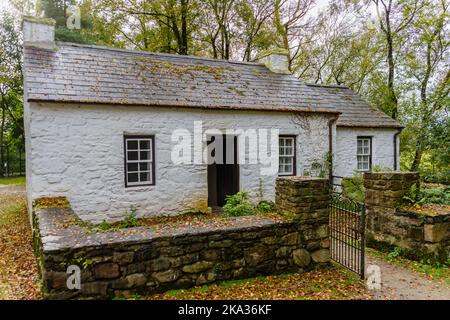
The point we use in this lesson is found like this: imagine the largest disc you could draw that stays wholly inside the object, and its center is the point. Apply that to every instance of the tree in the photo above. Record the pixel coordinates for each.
(394, 17)
(59, 11)
(159, 25)
(11, 129)
(290, 23)
(219, 33)
(342, 49)
(252, 19)
(428, 68)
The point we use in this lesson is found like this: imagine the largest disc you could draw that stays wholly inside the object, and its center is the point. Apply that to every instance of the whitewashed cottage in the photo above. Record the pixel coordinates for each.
(100, 123)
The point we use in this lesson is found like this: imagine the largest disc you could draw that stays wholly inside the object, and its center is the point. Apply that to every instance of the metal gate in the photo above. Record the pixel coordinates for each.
(347, 235)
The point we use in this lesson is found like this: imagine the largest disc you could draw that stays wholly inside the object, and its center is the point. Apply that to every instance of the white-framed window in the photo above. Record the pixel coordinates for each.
(286, 155)
(364, 153)
(139, 161)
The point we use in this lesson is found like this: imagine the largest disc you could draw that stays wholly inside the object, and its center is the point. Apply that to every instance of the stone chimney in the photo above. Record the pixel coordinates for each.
(39, 32)
(276, 60)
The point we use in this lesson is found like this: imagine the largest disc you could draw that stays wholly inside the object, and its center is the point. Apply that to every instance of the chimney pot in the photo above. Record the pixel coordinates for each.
(39, 32)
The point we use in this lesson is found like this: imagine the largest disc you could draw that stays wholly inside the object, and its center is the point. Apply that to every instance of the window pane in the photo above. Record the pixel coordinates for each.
(288, 142)
(145, 155)
(132, 177)
(132, 155)
(132, 167)
(281, 151)
(288, 168)
(144, 166)
(144, 144)
(132, 144)
(281, 142)
(289, 151)
(145, 176)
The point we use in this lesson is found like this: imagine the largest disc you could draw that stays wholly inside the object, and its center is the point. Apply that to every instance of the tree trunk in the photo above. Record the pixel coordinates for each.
(417, 158)
(184, 32)
(391, 75)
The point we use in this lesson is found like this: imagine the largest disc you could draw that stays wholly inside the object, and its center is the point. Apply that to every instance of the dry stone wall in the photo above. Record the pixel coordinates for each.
(145, 260)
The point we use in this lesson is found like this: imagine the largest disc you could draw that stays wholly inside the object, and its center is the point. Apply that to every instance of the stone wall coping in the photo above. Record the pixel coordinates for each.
(389, 175)
(302, 178)
(426, 218)
(58, 233)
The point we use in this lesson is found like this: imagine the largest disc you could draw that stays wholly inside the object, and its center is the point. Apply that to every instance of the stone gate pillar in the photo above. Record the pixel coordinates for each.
(388, 222)
(307, 199)
(303, 197)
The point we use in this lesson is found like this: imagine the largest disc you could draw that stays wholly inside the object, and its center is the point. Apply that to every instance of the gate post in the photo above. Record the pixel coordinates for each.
(306, 201)
(303, 197)
(391, 223)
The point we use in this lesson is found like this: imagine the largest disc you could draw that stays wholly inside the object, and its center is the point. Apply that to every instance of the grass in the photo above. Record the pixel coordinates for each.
(433, 271)
(18, 181)
(329, 283)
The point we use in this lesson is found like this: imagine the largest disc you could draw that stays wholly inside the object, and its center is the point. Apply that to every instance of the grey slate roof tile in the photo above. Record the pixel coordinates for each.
(92, 74)
(356, 112)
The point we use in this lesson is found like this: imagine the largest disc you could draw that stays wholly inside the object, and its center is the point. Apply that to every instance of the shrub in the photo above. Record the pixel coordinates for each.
(419, 196)
(237, 205)
(436, 177)
(436, 195)
(381, 169)
(353, 187)
(265, 206)
(130, 220)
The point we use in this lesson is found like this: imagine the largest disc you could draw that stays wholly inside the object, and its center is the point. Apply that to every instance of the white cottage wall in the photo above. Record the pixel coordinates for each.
(77, 151)
(345, 160)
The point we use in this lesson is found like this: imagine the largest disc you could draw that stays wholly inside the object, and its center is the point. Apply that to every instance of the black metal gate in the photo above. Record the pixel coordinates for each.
(12, 160)
(347, 235)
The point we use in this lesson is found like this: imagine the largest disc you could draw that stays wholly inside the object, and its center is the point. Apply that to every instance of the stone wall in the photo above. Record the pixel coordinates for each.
(150, 259)
(420, 236)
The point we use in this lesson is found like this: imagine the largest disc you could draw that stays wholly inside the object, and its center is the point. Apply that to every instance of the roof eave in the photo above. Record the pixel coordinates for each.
(187, 106)
(391, 126)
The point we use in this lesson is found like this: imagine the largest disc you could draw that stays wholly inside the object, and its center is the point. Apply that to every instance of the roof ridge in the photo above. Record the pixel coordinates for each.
(150, 53)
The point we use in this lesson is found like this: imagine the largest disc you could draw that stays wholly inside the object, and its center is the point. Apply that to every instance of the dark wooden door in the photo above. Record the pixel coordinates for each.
(223, 178)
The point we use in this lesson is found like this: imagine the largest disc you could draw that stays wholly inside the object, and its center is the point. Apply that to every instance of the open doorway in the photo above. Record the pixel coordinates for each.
(223, 177)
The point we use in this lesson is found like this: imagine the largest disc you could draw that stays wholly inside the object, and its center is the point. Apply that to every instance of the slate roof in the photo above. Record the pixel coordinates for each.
(100, 75)
(356, 112)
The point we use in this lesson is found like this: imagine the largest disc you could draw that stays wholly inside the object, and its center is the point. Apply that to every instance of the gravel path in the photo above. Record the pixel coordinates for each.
(399, 283)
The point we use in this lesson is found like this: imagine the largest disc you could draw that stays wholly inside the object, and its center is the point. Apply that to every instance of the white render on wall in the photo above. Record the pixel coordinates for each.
(345, 161)
(78, 152)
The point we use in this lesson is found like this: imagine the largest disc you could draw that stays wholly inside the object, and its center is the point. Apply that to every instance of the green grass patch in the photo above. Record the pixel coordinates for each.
(16, 181)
